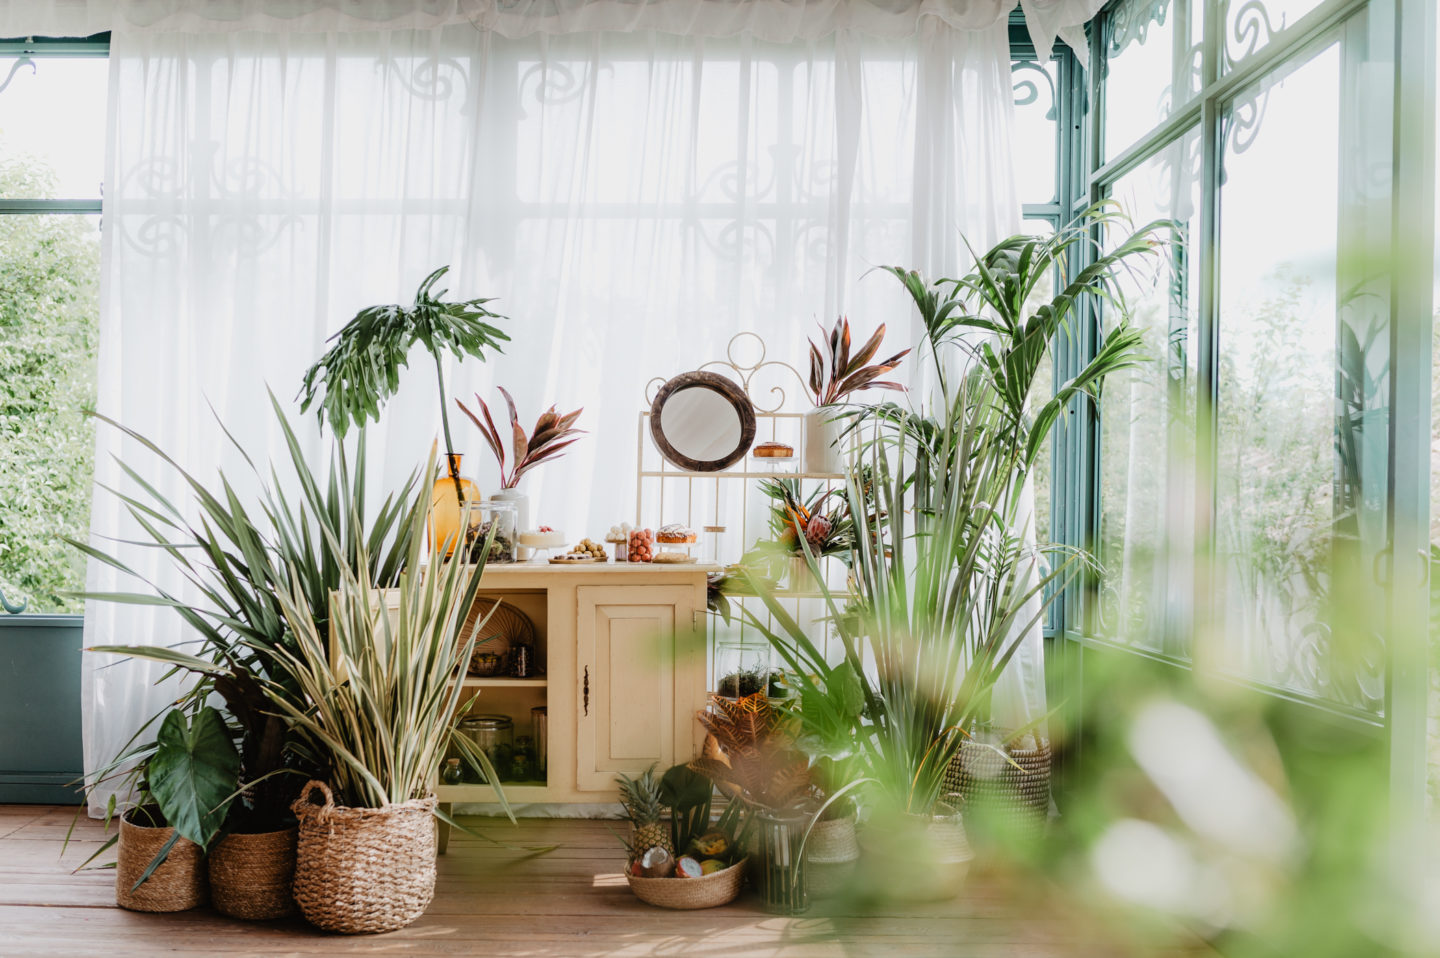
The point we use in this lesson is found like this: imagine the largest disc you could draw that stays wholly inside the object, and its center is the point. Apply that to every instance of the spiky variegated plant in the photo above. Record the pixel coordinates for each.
(379, 691)
(546, 441)
(362, 369)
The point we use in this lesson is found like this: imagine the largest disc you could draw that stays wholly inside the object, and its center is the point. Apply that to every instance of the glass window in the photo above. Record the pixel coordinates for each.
(1250, 25)
(49, 307)
(1036, 134)
(1147, 420)
(1151, 66)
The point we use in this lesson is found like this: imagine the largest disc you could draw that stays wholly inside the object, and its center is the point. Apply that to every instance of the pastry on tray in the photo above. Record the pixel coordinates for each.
(542, 538)
(571, 558)
(674, 533)
(589, 548)
(671, 556)
(620, 533)
(773, 450)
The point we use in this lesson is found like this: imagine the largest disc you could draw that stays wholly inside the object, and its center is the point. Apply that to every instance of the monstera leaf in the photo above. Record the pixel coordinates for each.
(194, 771)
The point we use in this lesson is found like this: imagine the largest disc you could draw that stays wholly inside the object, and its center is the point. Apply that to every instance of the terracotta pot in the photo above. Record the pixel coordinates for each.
(177, 885)
(251, 875)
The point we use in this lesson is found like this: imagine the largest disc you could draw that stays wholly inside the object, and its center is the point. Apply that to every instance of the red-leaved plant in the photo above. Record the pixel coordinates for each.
(838, 374)
(546, 442)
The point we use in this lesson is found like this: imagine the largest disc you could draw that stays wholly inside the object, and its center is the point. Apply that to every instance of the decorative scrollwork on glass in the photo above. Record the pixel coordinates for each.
(1027, 89)
(1249, 31)
(1241, 126)
(432, 78)
(1130, 22)
(15, 68)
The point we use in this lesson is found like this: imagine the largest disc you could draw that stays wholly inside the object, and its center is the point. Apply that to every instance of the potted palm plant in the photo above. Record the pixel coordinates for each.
(362, 370)
(946, 585)
(835, 375)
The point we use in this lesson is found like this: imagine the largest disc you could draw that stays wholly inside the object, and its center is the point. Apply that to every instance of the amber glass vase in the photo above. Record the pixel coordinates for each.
(445, 508)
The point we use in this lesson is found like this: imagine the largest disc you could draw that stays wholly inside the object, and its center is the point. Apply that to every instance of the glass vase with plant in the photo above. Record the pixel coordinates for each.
(355, 377)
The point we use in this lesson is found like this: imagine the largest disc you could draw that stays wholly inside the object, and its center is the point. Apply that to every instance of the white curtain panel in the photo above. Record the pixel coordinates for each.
(632, 199)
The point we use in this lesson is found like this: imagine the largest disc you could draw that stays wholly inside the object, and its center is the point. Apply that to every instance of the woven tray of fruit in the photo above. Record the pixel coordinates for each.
(707, 870)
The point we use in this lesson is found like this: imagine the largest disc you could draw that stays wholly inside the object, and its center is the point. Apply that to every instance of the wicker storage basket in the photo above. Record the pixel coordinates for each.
(918, 858)
(506, 627)
(177, 885)
(685, 894)
(996, 795)
(250, 875)
(831, 852)
(363, 869)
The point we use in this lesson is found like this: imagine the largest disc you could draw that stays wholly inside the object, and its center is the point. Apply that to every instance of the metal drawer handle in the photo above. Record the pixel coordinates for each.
(587, 690)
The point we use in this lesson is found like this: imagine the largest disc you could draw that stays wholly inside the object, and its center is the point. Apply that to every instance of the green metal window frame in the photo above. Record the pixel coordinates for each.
(1076, 509)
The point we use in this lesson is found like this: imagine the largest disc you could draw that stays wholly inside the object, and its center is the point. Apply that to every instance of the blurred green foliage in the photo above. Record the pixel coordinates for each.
(49, 308)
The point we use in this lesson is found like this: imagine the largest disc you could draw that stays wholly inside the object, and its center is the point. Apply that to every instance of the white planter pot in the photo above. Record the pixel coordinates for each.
(521, 502)
(823, 451)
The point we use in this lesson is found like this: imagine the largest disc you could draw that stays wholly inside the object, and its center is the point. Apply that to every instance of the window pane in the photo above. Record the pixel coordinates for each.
(52, 116)
(49, 303)
(1152, 65)
(1147, 419)
(1041, 390)
(1250, 25)
(1036, 132)
(1301, 460)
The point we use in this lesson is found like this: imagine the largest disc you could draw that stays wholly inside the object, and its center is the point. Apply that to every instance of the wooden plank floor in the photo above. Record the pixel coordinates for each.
(493, 901)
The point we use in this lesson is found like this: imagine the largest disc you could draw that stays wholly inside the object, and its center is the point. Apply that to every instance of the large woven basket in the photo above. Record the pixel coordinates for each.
(831, 853)
(363, 870)
(996, 795)
(506, 627)
(251, 875)
(719, 888)
(177, 885)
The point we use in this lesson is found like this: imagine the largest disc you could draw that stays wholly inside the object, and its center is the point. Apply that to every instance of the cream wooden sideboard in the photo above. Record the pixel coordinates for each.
(623, 653)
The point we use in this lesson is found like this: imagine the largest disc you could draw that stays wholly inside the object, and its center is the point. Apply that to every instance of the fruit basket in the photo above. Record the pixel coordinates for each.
(708, 891)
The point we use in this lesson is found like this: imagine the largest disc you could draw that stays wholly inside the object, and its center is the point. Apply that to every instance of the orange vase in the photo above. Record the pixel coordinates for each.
(445, 508)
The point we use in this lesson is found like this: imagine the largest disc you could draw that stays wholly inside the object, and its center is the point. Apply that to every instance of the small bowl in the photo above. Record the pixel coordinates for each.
(486, 663)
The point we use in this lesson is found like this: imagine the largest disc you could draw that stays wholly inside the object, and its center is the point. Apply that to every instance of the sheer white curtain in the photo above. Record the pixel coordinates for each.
(632, 199)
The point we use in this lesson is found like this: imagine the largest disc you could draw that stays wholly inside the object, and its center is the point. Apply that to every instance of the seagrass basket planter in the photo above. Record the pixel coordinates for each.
(251, 875)
(177, 885)
(831, 854)
(999, 797)
(363, 870)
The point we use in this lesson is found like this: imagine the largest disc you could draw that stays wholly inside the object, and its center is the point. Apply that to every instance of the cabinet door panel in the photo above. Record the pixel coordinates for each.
(629, 642)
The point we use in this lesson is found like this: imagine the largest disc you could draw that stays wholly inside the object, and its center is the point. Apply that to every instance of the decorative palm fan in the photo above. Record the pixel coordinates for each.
(506, 626)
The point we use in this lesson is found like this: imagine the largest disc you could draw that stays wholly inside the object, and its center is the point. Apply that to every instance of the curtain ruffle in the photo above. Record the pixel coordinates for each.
(779, 21)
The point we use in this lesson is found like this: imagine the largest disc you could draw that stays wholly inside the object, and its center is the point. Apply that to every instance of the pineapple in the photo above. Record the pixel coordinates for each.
(641, 798)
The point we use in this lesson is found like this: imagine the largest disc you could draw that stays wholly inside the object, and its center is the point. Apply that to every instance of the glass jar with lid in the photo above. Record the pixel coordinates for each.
(492, 734)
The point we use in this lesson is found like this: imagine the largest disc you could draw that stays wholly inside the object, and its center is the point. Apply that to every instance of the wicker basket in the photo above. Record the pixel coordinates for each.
(363, 869)
(250, 875)
(685, 894)
(918, 858)
(177, 885)
(831, 852)
(506, 627)
(997, 796)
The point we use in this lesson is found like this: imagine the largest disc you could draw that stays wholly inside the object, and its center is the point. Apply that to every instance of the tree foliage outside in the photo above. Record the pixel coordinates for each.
(49, 309)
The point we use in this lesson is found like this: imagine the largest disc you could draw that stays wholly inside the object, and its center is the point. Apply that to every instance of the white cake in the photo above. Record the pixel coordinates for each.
(535, 539)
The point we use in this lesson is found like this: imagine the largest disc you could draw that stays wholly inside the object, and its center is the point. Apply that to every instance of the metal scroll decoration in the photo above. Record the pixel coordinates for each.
(10, 607)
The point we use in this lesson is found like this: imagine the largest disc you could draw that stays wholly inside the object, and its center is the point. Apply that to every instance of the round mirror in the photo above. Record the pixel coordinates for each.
(702, 421)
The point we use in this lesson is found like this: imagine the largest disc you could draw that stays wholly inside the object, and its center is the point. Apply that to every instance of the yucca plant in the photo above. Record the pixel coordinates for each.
(362, 369)
(836, 374)
(235, 559)
(379, 693)
(552, 433)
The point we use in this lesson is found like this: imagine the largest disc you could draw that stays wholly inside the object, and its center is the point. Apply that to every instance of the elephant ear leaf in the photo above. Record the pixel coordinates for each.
(193, 773)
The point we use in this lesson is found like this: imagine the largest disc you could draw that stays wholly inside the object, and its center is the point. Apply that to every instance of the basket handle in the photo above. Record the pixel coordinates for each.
(303, 806)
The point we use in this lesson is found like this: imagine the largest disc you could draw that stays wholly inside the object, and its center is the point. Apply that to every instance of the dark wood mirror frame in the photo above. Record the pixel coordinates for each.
(731, 392)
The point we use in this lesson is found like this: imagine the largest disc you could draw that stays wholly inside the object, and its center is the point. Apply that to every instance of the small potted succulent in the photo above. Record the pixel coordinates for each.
(836, 374)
